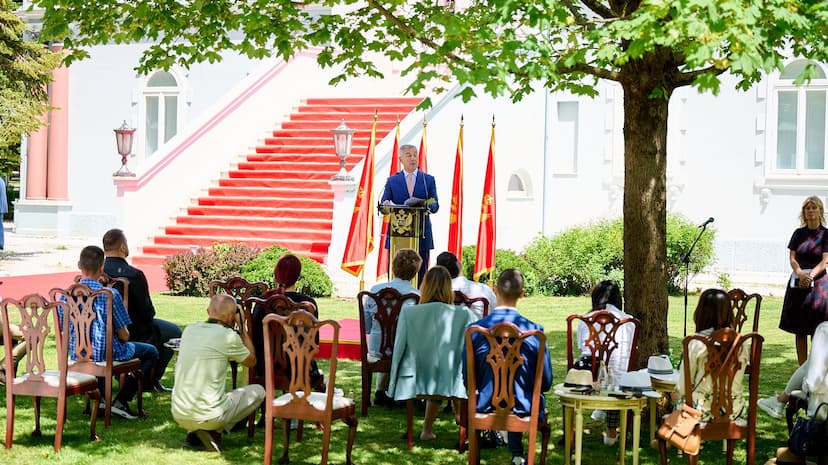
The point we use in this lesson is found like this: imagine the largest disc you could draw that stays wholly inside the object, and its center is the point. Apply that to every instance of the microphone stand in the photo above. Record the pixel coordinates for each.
(686, 260)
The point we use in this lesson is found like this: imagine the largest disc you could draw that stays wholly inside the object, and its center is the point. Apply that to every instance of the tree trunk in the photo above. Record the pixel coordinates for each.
(645, 201)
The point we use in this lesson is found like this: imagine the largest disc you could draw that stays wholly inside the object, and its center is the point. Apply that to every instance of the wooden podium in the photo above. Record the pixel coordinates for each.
(405, 228)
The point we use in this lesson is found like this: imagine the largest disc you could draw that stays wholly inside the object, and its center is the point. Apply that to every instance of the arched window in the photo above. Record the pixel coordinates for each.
(162, 110)
(801, 119)
(520, 185)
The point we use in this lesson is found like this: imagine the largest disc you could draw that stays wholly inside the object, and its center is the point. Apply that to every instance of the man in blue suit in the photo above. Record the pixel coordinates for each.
(509, 289)
(408, 183)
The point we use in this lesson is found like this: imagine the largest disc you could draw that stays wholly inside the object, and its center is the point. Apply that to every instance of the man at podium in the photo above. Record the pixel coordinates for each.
(412, 187)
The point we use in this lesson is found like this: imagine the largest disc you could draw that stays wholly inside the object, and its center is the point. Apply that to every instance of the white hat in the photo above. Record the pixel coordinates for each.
(578, 380)
(659, 367)
(635, 381)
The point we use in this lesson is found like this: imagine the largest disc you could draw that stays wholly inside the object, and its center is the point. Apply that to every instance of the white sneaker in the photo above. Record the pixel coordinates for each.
(122, 411)
(771, 406)
(608, 441)
(518, 460)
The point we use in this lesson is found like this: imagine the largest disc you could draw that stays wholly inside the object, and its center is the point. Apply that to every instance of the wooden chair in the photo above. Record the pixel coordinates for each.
(504, 358)
(78, 303)
(119, 284)
(723, 364)
(463, 299)
(740, 303)
(300, 331)
(389, 303)
(238, 288)
(602, 340)
(38, 381)
(276, 304)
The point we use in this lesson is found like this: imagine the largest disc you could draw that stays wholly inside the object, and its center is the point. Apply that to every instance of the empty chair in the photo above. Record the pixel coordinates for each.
(38, 320)
(237, 287)
(300, 331)
(745, 307)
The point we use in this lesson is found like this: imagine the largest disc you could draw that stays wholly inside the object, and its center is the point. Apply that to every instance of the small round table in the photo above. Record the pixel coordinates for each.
(576, 403)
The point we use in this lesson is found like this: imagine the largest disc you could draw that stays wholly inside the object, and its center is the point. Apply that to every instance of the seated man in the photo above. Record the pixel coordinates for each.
(509, 289)
(91, 267)
(144, 327)
(405, 265)
(199, 403)
(471, 289)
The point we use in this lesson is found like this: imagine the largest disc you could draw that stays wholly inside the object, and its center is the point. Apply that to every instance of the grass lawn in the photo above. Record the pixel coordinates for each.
(157, 440)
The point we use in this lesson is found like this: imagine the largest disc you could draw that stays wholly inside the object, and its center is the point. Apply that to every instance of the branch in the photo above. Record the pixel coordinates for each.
(408, 30)
(580, 19)
(683, 79)
(591, 70)
(598, 9)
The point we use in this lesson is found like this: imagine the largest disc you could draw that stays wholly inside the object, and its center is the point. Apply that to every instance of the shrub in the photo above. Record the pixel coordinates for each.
(313, 281)
(190, 273)
(573, 261)
(504, 259)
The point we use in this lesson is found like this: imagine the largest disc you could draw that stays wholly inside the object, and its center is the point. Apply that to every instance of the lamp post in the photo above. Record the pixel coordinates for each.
(123, 138)
(342, 137)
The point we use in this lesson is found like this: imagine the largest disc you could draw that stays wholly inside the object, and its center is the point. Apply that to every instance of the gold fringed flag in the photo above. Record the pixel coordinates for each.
(484, 261)
(455, 236)
(422, 164)
(382, 258)
(360, 241)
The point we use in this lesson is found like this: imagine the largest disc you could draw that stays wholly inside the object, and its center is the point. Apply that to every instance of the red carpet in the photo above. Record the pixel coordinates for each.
(19, 286)
(280, 194)
(348, 340)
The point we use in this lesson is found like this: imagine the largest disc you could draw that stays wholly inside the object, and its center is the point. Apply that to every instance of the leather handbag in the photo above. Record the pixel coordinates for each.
(681, 429)
(808, 435)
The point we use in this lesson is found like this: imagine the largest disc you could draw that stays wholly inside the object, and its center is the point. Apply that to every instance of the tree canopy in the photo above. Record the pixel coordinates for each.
(502, 47)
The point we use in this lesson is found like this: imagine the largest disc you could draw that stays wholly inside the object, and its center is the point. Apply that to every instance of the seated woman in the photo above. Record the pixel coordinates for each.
(606, 295)
(437, 293)
(286, 273)
(812, 379)
(712, 312)
(405, 265)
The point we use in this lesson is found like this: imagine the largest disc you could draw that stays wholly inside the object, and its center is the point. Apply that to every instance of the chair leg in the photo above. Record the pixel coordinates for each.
(662, 451)
(546, 432)
(533, 439)
(351, 421)
(366, 391)
(409, 423)
(140, 403)
(326, 442)
(268, 442)
(285, 441)
(61, 418)
(300, 425)
(107, 400)
(9, 417)
(474, 448)
(93, 420)
(36, 401)
(693, 459)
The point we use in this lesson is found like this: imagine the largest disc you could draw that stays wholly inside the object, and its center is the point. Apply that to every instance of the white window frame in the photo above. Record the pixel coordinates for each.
(525, 180)
(798, 177)
(179, 91)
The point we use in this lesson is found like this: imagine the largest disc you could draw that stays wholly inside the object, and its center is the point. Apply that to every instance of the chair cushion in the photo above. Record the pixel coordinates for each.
(52, 378)
(316, 399)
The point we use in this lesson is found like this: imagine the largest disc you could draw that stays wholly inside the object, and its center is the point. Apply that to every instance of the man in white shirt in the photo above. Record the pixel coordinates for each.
(471, 289)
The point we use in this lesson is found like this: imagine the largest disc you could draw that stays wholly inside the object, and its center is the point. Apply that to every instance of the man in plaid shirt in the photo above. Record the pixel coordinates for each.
(91, 266)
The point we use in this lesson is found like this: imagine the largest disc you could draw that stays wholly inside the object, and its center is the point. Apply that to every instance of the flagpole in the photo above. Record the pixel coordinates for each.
(371, 225)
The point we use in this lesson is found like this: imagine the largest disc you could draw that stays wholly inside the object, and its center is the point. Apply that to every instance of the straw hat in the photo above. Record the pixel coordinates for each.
(578, 380)
(662, 375)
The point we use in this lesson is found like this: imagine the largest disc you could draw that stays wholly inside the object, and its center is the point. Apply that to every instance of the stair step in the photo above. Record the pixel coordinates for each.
(326, 134)
(401, 109)
(306, 213)
(320, 183)
(335, 116)
(238, 221)
(296, 245)
(272, 192)
(287, 160)
(307, 149)
(352, 102)
(324, 172)
(146, 259)
(382, 127)
(244, 201)
(360, 139)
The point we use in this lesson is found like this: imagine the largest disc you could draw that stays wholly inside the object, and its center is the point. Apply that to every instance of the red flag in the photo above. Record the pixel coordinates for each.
(484, 261)
(382, 259)
(421, 161)
(455, 236)
(361, 233)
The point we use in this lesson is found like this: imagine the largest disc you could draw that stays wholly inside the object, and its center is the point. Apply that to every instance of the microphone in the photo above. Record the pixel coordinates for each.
(709, 220)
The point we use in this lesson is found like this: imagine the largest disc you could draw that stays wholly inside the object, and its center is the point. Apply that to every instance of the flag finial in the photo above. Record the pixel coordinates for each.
(461, 120)
(493, 120)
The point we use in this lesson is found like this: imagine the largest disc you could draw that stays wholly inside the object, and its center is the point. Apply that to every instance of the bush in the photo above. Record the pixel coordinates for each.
(573, 261)
(313, 281)
(189, 273)
(504, 259)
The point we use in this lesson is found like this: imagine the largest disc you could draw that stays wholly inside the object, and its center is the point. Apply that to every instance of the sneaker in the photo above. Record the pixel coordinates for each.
(518, 460)
(211, 440)
(608, 441)
(771, 406)
(123, 411)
